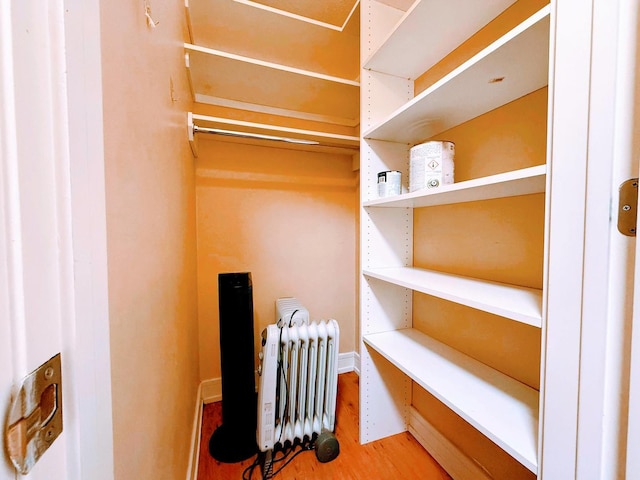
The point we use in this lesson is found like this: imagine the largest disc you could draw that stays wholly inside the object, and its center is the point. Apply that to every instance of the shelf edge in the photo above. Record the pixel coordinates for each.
(534, 320)
(275, 66)
(521, 175)
(522, 394)
(520, 28)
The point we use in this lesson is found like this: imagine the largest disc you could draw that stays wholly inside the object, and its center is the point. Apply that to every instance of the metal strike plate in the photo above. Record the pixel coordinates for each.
(35, 416)
(628, 207)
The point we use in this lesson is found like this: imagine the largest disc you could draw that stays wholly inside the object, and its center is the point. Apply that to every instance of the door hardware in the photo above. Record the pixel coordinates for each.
(35, 415)
(628, 207)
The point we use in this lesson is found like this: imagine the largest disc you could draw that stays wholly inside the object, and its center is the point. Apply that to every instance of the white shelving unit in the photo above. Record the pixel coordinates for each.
(492, 78)
(503, 408)
(516, 303)
(519, 182)
(400, 55)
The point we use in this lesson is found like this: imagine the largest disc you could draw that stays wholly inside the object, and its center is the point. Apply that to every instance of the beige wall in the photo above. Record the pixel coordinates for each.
(151, 239)
(286, 216)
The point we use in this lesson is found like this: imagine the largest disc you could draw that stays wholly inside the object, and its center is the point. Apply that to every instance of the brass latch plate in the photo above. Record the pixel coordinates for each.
(35, 416)
(628, 207)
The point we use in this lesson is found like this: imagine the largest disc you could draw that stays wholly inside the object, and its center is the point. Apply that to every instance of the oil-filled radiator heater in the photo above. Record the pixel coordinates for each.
(298, 370)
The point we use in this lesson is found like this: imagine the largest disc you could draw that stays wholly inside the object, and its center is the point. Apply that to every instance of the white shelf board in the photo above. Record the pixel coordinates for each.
(520, 58)
(500, 407)
(430, 30)
(275, 66)
(258, 82)
(518, 182)
(517, 303)
(245, 28)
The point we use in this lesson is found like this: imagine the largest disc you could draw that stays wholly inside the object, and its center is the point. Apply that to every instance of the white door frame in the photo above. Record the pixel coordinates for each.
(89, 330)
(71, 72)
(590, 264)
(633, 425)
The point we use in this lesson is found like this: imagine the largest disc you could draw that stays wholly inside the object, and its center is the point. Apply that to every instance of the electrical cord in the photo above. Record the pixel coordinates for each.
(251, 468)
(291, 317)
(286, 452)
(304, 448)
(268, 472)
(282, 371)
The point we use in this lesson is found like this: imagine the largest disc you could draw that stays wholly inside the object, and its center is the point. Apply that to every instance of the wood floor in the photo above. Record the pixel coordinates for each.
(397, 457)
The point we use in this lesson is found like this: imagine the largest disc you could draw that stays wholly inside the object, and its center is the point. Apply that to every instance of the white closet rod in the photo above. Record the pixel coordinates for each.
(233, 133)
(260, 136)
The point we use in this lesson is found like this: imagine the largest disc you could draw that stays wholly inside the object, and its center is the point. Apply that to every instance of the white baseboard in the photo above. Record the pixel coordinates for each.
(452, 459)
(349, 362)
(211, 390)
(194, 454)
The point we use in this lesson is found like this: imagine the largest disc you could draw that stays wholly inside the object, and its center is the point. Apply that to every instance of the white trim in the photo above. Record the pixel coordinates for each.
(349, 362)
(10, 195)
(571, 24)
(629, 26)
(194, 454)
(632, 467)
(73, 141)
(452, 459)
(608, 277)
(87, 334)
(584, 374)
(211, 390)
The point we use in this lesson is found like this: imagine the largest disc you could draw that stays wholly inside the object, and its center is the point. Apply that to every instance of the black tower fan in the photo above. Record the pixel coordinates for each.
(235, 439)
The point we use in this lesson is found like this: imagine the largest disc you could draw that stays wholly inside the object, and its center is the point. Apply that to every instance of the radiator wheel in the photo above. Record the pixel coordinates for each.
(327, 447)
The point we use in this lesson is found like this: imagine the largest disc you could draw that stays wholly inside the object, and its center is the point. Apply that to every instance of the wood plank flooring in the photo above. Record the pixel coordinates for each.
(396, 457)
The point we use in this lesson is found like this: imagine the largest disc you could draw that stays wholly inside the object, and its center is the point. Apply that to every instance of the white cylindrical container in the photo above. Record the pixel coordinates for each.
(431, 165)
(389, 183)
